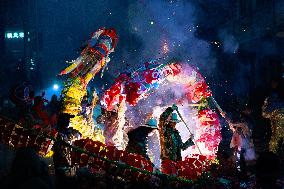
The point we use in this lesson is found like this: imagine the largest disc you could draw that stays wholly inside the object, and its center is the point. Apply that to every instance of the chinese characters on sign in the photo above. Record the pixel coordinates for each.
(14, 35)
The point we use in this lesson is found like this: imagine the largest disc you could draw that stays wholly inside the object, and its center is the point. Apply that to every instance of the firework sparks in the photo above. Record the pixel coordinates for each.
(165, 47)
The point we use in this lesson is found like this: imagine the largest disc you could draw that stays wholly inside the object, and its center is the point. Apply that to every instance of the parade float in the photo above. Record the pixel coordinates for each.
(136, 96)
(154, 87)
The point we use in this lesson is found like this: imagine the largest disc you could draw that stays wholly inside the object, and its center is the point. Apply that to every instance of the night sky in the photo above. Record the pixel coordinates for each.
(145, 29)
(200, 33)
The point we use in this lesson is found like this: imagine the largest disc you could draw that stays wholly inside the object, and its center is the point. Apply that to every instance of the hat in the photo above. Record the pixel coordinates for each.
(174, 118)
(151, 123)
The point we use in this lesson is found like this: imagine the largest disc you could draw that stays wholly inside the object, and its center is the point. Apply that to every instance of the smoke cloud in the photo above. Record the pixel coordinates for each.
(167, 30)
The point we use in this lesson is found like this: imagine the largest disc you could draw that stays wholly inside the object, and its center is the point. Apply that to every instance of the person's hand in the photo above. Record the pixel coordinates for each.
(174, 107)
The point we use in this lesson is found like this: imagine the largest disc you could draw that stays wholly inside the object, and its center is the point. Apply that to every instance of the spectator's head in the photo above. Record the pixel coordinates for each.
(38, 101)
(53, 98)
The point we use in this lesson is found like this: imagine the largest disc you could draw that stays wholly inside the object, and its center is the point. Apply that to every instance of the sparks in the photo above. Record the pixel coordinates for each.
(165, 48)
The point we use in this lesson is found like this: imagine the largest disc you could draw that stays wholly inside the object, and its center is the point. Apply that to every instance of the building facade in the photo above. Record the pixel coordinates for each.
(21, 43)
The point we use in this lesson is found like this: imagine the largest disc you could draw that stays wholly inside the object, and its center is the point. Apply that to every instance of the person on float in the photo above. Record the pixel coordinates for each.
(114, 131)
(170, 140)
(138, 138)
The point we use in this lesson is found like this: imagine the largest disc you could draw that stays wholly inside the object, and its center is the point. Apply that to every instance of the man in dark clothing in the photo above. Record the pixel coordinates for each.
(170, 140)
(64, 170)
(138, 138)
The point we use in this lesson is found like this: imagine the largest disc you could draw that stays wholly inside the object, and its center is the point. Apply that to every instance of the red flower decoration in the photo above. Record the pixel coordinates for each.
(169, 167)
(197, 91)
(208, 118)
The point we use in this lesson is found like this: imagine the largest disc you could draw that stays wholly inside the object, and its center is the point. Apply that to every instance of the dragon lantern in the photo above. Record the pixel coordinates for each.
(93, 58)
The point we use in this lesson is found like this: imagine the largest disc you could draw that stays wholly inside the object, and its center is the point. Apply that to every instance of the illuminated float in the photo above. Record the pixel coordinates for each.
(93, 58)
